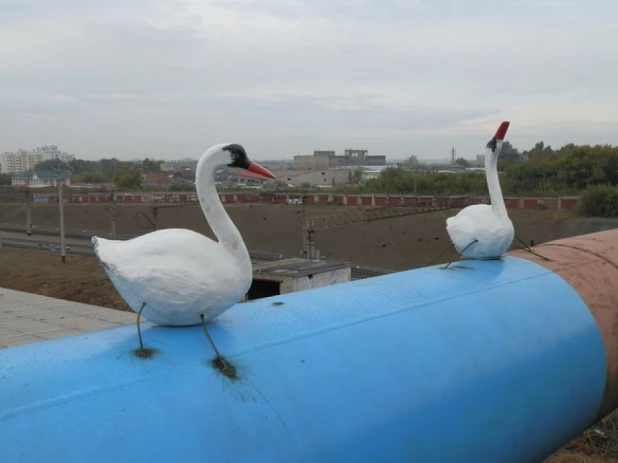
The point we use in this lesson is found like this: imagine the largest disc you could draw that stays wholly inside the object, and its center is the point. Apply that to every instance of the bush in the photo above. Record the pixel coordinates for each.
(599, 201)
(182, 187)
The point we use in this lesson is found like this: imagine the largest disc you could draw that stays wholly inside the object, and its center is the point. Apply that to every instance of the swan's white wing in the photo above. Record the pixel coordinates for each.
(479, 222)
(175, 271)
(464, 227)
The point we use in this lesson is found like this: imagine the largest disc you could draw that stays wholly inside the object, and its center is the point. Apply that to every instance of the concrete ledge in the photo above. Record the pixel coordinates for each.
(26, 318)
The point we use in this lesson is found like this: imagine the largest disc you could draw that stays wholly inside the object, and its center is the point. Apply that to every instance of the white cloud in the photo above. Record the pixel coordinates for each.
(169, 78)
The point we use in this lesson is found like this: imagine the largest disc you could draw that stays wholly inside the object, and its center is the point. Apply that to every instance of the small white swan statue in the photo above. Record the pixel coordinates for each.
(483, 231)
(181, 275)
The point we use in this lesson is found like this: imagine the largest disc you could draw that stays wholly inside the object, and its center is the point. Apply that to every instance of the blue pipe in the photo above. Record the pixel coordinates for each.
(488, 362)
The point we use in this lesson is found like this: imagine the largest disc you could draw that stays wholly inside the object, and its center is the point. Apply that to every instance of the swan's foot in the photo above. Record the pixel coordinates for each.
(141, 352)
(459, 256)
(220, 363)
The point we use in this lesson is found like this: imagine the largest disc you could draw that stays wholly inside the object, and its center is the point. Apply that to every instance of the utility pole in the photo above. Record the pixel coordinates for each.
(28, 212)
(305, 251)
(63, 255)
(155, 216)
(304, 221)
(310, 243)
(113, 214)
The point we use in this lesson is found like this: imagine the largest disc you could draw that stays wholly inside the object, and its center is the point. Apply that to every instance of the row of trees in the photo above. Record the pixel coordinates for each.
(547, 172)
(124, 174)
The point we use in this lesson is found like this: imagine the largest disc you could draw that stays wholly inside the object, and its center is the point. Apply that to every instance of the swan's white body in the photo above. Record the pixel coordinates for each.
(180, 274)
(488, 224)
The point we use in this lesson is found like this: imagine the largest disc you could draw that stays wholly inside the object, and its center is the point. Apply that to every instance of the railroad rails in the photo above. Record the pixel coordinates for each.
(86, 249)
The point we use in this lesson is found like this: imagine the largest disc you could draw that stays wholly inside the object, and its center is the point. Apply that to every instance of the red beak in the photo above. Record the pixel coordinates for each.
(501, 132)
(258, 169)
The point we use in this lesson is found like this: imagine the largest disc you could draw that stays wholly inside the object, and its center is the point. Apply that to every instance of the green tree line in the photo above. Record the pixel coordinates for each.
(125, 174)
(568, 170)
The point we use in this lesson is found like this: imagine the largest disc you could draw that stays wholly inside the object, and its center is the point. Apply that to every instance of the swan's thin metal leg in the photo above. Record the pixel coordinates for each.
(212, 343)
(462, 251)
(436, 258)
(527, 248)
(139, 330)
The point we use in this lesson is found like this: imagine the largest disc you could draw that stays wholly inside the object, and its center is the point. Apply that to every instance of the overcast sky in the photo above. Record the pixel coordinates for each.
(167, 79)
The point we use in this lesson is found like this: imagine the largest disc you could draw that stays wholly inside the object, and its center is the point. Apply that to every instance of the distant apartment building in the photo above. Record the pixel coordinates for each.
(24, 160)
(51, 152)
(325, 159)
(21, 161)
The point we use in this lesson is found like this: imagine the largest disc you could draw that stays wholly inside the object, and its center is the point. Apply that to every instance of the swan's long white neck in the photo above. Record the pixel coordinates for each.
(493, 182)
(224, 229)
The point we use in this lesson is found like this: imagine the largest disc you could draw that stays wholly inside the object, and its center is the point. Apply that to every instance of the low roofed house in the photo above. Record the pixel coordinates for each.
(184, 176)
(155, 178)
(41, 178)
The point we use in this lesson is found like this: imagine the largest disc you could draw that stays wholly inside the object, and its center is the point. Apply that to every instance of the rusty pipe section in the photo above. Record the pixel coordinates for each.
(589, 263)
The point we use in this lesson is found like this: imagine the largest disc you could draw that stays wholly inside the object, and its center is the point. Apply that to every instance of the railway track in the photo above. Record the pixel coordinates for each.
(86, 249)
(77, 249)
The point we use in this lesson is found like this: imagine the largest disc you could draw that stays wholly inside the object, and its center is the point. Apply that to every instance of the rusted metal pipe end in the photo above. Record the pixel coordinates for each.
(589, 263)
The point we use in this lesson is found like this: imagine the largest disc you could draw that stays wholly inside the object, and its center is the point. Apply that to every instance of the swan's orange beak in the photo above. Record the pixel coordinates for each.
(258, 169)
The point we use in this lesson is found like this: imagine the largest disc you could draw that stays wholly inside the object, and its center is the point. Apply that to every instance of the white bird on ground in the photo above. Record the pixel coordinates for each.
(485, 231)
(181, 275)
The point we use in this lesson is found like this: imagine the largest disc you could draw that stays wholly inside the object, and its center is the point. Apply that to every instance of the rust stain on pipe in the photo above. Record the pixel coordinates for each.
(589, 263)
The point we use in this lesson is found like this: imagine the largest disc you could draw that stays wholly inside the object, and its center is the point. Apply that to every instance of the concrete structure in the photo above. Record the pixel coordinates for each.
(327, 159)
(292, 275)
(273, 164)
(26, 318)
(499, 361)
(322, 178)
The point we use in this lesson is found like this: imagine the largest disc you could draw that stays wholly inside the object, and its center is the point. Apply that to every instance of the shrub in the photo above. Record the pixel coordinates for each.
(599, 201)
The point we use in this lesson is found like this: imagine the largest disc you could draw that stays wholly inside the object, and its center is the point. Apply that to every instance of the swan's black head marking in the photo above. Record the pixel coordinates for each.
(493, 144)
(238, 156)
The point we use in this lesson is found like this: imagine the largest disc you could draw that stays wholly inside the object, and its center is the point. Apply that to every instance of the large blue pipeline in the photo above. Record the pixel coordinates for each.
(488, 361)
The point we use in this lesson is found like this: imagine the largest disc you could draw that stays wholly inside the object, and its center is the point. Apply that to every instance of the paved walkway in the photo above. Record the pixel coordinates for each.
(26, 318)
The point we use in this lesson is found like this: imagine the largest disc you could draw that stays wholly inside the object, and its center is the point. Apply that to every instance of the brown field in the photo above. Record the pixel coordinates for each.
(399, 244)
(80, 279)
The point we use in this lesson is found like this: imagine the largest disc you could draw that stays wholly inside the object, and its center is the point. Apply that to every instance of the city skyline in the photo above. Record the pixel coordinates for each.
(49, 152)
(167, 80)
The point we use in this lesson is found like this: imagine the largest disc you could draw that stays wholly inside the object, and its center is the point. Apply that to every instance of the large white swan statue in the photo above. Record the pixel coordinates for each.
(176, 275)
(483, 231)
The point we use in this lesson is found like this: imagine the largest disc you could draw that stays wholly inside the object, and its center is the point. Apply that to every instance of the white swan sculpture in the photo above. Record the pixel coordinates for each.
(179, 274)
(485, 231)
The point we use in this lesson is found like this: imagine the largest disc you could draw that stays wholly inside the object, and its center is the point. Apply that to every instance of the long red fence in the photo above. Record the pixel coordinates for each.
(512, 202)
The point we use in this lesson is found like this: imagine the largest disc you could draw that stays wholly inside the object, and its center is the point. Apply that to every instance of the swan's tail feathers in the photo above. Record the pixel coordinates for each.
(97, 242)
(101, 249)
